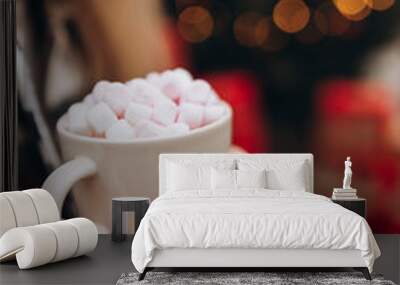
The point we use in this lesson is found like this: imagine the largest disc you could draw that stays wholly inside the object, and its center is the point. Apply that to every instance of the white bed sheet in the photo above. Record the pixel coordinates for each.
(250, 218)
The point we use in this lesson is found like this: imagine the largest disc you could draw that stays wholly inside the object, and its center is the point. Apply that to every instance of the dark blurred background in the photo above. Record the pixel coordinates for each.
(320, 76)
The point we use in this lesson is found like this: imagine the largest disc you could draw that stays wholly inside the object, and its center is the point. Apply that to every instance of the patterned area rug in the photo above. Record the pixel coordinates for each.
(230, 278)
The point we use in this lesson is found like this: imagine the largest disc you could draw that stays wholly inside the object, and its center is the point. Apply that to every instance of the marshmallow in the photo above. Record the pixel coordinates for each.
(120, 131)
(100, 118)
(145, 93)
(191, 114)
(149, 106)
(213, 99)
(99, 89)
(183, 73)
(165, 113)
(89, 100)
(154, 78)
(117, 96)
(137, 112)
(177, 129)
(213, 113)
(174, 82)
(199, 91)
(148, 129)
(76, 117)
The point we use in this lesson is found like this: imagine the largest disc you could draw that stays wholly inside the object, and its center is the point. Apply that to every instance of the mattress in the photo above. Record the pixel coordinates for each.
(251, 219)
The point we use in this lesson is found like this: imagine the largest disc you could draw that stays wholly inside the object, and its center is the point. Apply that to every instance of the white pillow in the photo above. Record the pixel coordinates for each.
(223, 179)
(251, 178)
(187, 174)
(181, 178)
(281, 174)
(289, 179)
(237, 179)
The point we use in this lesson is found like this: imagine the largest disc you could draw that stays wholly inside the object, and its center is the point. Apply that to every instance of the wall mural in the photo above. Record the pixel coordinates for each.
(279, 76)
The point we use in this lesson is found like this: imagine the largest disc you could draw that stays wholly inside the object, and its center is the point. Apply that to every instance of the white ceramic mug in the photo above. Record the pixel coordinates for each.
(97, 170)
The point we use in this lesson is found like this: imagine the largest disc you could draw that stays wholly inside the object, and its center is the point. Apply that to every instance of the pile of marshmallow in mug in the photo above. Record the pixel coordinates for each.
(162, 104)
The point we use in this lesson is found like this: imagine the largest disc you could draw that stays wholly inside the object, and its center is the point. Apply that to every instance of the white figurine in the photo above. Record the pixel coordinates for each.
(347, 174)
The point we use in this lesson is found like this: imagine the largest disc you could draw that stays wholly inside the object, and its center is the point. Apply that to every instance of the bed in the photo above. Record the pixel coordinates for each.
(246, 211)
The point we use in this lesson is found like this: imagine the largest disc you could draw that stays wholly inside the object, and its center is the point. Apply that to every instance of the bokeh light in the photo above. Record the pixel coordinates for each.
(251, 29)
(350, 7)
(291, 16)
(329, 21)
(380, 5)
(195, 24)
(360, 15)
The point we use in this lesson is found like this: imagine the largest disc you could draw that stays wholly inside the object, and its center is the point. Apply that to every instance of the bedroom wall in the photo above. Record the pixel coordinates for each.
(325, 83)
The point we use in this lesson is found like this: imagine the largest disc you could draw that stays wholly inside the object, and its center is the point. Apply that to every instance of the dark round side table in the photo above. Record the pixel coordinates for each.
(138, 205)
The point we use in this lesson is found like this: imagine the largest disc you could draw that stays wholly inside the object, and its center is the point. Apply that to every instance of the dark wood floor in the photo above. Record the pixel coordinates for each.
(110, 260)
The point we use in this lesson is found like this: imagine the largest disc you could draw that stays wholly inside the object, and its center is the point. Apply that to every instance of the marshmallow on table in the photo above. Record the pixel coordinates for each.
(100, 118)
(191, 114)
(199, 92)
(117, 96)
(137, 112)
(213, 113)
(120, 131)
(149, 129)
(76, 117)
(165, 112)
(145, 93)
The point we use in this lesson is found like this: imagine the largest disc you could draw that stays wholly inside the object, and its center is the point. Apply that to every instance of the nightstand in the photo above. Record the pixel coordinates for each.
(138, 205)
(358, 205)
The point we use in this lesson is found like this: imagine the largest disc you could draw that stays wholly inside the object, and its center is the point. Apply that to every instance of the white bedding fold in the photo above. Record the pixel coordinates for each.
(250, 218)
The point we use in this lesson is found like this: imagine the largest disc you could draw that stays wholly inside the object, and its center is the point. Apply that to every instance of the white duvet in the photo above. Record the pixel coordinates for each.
(252, 218)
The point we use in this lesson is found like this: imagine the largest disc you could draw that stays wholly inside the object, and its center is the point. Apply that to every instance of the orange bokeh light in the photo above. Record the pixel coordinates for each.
(350, 7)
(360, 15)
(291, 16)
(251, 29)
(329, 21)
(195, 24)
(261, 31)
